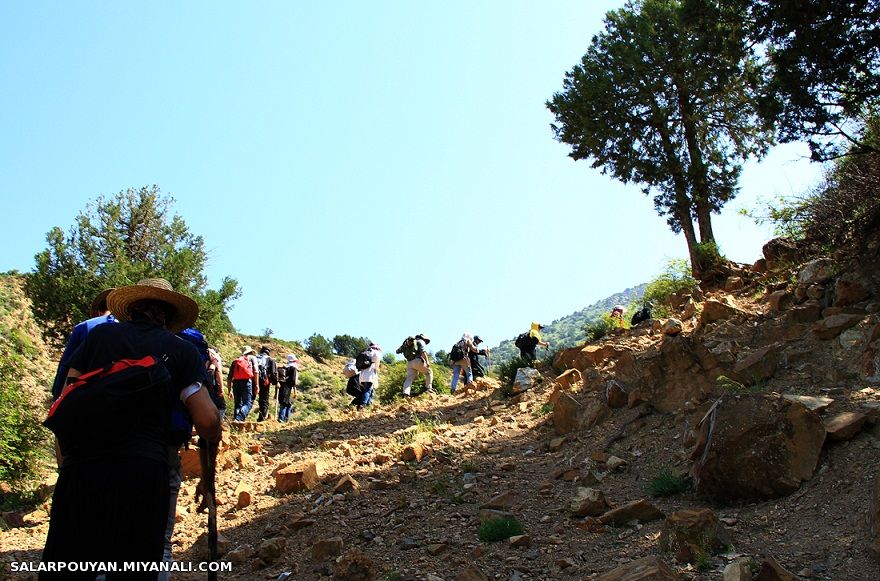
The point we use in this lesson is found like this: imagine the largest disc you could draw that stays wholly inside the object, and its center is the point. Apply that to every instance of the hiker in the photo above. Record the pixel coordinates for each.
(477, 369)
(111, 501)
(268, 376)
(461, 362)
(642, 315)
(414, 350)
(288, 387)
(241, 380)
(181, 429)
(528, 342)
(368, 375)
(617, 314)
(98, 315)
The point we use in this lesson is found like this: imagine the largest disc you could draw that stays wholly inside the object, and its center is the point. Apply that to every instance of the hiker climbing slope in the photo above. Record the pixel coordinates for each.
(241, 382)
(414, 350)
(111, 500)
(268, 376)
(528, 342)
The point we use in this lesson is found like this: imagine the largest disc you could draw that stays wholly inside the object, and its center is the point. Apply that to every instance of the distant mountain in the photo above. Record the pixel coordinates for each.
(569, 330)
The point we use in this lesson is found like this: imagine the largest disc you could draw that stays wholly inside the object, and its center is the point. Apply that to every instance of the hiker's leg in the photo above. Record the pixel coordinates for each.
(468, 375)
(456, 369)
(367, 394)
(174, 489)
(429, 378)
(247, 399)
(410, 376)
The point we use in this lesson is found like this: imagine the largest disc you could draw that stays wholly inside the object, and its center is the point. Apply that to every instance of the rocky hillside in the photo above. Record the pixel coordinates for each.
(735, 441)
(568, 331)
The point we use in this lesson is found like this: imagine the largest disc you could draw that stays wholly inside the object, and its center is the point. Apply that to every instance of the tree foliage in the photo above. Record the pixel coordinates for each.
(664, 98)
(823, 68)
(118, 241)
(349, 345)
(319, 347)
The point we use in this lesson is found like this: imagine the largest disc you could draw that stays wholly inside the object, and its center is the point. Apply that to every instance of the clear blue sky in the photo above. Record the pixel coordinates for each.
(389, 164)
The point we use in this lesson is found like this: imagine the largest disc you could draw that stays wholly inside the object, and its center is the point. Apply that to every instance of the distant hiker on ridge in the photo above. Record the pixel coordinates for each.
(111, 500)
(414, 350)
(268, 376)
(617, 314)
(527, 342)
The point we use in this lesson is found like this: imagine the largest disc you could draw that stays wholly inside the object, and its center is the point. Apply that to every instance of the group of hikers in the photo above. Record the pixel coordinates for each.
(133, 382)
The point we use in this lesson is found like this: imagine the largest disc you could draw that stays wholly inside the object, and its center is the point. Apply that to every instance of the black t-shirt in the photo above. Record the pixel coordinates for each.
(148, 436)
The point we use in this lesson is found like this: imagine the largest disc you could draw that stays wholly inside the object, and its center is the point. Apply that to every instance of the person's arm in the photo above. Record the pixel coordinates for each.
(203, 412)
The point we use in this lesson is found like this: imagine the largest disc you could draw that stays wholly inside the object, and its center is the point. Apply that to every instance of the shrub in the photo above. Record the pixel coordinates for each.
(319, 347)
(507, 370)
(306, 380)
(675, 279)
(499, 529)
(22, 438)
(668, 483)
(392, 377)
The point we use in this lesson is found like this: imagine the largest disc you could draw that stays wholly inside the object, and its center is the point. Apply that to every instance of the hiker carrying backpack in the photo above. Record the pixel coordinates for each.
(641, 315)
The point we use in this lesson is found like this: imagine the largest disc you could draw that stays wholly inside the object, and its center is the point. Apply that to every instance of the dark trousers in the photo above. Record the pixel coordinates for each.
(110, 510)
(241, 390)
(264, 402)
(527, 354)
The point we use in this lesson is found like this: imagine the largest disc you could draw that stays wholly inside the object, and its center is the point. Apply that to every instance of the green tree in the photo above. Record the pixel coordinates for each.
(823, 68)
(664, 98)
(319, 347)
(349, 346)
(115, 242)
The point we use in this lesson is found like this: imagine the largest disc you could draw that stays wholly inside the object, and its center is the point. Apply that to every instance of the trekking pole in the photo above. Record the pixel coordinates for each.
(207, 458)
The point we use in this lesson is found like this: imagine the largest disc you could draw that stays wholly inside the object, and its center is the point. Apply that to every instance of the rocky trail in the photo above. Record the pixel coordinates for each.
(763, 391)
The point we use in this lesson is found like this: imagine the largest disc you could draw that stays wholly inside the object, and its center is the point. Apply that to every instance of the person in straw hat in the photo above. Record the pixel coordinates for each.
(111, 500)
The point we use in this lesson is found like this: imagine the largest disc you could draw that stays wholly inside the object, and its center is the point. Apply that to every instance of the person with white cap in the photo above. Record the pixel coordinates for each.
(288, 387)
(111, 501)
(369, 377)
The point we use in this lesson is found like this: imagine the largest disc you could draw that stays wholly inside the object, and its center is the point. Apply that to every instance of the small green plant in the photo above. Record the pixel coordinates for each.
(23, 440)
(544, 410)
(499, 529)
(725, 383)
(469, 466)
(306, 380)
(507, 370)
(702, 560)
(708, 255)
(668, 483)
(449, 489)
(676, 278)
(600, 327)
(392, 576)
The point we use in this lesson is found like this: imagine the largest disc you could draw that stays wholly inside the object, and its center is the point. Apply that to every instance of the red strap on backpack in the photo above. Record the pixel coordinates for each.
(84, 379)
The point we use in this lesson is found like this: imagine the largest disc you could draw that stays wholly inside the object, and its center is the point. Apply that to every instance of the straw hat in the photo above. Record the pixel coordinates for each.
(186, 311)
(246, 349)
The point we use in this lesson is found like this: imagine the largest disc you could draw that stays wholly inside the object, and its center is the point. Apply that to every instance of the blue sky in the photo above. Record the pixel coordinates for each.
(372, 168)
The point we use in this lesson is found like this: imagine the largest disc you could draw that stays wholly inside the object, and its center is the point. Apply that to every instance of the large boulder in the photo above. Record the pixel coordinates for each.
(779, 251)
(687, 534)
(755, 446)
(297, 478)
(645, 569)
(526, 378)
(567, 414)
(817, 271)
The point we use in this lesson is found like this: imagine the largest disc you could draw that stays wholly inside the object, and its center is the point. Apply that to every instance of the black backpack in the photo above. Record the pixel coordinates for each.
(525, 341)
(103, 404)
(457, 352)
(641, 315)
(363, 360)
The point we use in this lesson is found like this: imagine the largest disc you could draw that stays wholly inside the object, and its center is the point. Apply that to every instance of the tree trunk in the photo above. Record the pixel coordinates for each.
(696, 170)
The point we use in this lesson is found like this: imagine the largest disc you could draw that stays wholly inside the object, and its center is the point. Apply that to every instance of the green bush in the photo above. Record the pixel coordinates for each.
(319, 347)
(392, 377)
(602, 326)
(499, 529)
(668, 483)
(22, 439)
(507, 370)
(676, 278)
(306, 380)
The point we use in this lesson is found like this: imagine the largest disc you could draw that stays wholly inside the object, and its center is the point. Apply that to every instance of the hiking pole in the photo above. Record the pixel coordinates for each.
(208, 460)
